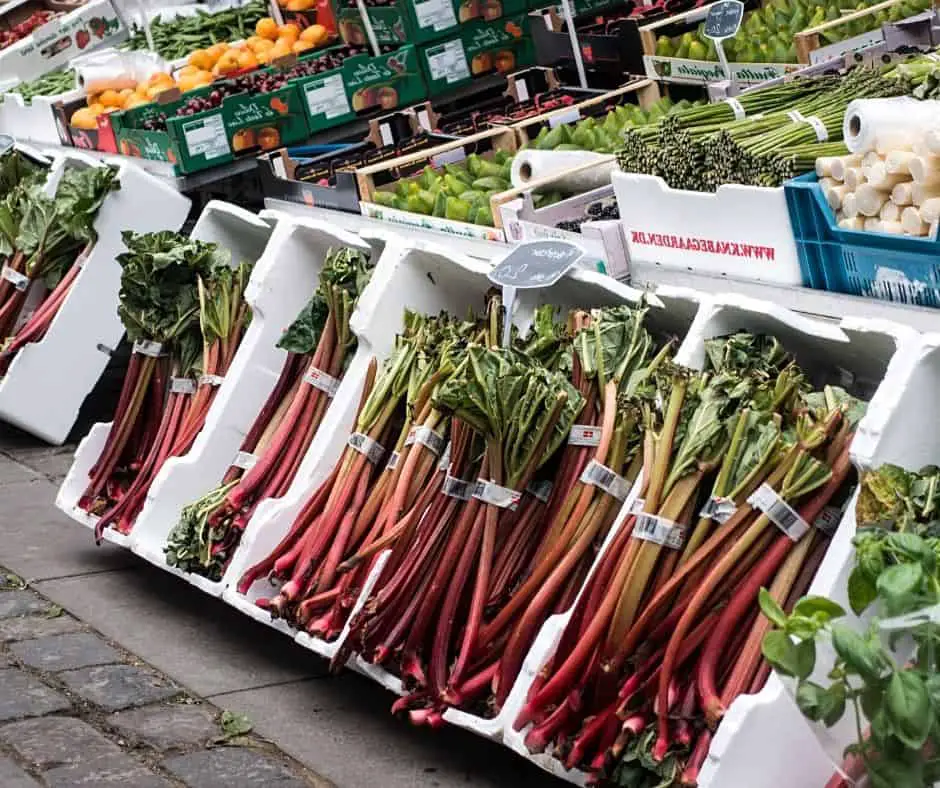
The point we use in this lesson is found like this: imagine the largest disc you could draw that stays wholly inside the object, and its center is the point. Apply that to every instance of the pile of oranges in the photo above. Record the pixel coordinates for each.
(270, 42)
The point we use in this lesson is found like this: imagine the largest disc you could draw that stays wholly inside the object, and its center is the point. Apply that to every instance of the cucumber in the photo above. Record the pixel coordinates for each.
(387, 199)
(456, 209)
(491, 184)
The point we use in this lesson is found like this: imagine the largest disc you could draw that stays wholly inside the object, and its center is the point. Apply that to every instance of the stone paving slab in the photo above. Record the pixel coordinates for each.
(49, 742)
(65, 652)
(117, 769)
(22, 695)
(165, 727)
(231, 767)
(28, 628)
(21, 603)
(114, 687)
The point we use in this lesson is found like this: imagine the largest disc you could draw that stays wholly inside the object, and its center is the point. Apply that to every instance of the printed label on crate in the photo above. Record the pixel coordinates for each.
(327, 97)
(540, 490)
(211, 380)
(407, 219)
(706, 245)
(373, 450)
(147, 348)
(828, 519)
(842, 48)
(653, 528)
(206, 137)
(448, 61)
(675, 69)
(245, 460)
(779, 512)
(436, 14)
(392, 463)
(19, 281)
(718, 508)
(496, 495)
(585, 435)
(427, 437)
(457, 488)
(605, 479)
(444, 463)
(448, 157)
(322, 380)
(182, 386)
(568, 116)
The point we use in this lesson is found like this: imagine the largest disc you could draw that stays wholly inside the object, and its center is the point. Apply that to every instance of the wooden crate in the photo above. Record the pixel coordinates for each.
(645, 91)
(809, 41)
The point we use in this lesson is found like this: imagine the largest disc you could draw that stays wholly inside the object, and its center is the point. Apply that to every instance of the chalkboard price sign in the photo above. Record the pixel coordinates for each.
(532, 265)
(724, 19)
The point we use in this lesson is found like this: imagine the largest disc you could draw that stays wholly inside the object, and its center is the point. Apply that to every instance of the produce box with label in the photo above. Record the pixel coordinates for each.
(37, 37)
(418, 21)
(212, 125)
(449, 188)
(480, 48)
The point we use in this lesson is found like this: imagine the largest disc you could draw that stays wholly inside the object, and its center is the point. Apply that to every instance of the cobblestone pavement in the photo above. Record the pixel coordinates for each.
(79, 710)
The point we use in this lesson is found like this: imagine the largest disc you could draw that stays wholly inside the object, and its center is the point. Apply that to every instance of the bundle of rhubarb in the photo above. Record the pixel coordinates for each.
(43, 241)
(891, 690)
(182, 305)
(319, 345)
(739, 462)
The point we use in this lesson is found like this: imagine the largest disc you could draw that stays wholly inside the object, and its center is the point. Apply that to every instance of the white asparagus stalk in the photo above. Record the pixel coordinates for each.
(868, 200)
(879, 178)
(841, 163)
(835, 195)
(930, 210)
(855, 223)
(849, 208)
(898, 161)
(920, 192)
(892, 228)
(932, 141)
(925, 169)
(889, 212)
(827, 183)
(920, 147)
(901, 194)
(912, 222)
(873, 223)
(854, 177)
(824, 165)
(871, 158)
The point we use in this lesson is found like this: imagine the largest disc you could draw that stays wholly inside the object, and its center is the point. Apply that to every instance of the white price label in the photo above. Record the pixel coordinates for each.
(718, 509)
(495, 495)
(392, 463)
(147, 348)
(211, 380)
(637, 506)
(327, 97)
(206, 137)
(605, 479)
(779, 512)
(322, 381)
(822, 133)
(585, 435)
(373, 450)
(444, 464)
(15, 278)
(795, 115)
(736, 108)
(659, 530)
(564, 116)
(540, 490)
(436, 14)
(448, 62)
(426, 437)
(182, 386)
(245, 460)
(457, 488)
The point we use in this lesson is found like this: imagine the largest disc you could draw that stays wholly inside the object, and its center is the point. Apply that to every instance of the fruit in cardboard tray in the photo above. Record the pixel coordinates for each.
(481, 63)
(268, 138)
(491, 9)
(469, 9)
(84, 118)
(388, 97)
(243, 139)
(364, 98)
(505, 61)
(266, 28)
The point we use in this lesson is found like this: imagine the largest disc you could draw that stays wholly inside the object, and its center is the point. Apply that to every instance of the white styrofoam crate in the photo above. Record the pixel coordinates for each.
(283, 281)
(34, 121)
(234, 228)
(739, 231)
(88, 317)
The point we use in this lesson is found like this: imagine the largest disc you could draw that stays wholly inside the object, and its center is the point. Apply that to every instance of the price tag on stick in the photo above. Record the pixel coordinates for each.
(531, 265)
(723, 21)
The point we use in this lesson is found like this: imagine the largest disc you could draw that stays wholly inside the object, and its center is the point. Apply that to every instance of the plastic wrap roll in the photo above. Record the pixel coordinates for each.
(530, 166)
(885, 124)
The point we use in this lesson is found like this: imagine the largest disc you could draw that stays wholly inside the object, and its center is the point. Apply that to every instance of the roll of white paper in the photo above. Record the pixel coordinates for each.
(535, 165)
(888, 124)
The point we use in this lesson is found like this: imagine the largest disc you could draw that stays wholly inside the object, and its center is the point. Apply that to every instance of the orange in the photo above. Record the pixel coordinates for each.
(136, 101)
(84, 118)
(301, 46)
(111, 98)
(227, 63)
(247, 59)
(266, 28)
(186, 70)
(216, 51)
(126, 94)
(262, 45)
(200, 59)
(300, 5)
(290, 30)
(96, 108)
(315, 34)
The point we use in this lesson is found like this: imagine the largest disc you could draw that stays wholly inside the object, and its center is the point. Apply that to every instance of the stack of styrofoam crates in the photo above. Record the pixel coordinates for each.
(245, 235)
(86, 326)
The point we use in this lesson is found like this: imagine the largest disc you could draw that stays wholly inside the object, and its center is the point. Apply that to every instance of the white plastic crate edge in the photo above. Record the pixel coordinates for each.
(375, 322)
(34, 121)
(209, 227)
(283, 280)
(88, 317)
(726, 233)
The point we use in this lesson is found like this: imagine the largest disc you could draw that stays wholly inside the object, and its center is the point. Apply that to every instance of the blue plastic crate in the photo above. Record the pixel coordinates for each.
(890, 267)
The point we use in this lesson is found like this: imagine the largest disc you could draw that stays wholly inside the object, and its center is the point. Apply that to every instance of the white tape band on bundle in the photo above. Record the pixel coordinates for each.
(496, 495)
(584, 435)
(322, 381)
(605, 479)
(426, 437)
(779, 512)
(147, 348)
(373, 450)
(659, 530)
